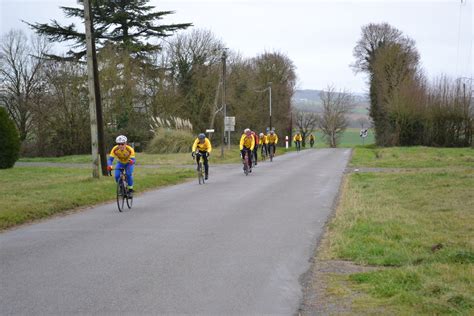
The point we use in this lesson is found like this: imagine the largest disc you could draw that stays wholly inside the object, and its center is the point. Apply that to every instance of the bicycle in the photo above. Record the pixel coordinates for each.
(298, 145)
(271, 151)
(245, 161)
(200, 168)
(123, 193)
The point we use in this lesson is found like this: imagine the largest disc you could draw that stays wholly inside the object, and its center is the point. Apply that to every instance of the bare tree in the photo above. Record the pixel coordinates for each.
(306, 122)
(20, 72)
(333, 121)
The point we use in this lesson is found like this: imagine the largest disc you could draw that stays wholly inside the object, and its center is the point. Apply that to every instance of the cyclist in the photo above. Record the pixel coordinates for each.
(247, 144)
(263, 144)
(125, 155)
(311, 140)
(203, 145)
(297, 139)
(254, 151)
(272, 140)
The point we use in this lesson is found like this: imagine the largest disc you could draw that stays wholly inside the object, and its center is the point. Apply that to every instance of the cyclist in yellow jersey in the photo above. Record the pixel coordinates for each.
(247, 143)
(272, 140)
(203, 145)
(125, 155)
(297, 139)
(311, 140)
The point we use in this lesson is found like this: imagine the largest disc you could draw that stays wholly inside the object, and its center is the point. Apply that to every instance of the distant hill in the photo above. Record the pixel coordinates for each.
(309, 100)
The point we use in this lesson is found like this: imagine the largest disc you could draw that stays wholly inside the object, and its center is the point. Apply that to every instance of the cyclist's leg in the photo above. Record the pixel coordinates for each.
(250, 160)
(206, 163)
(255, 150)
(117, 170)
(129, 172)
(198, 158)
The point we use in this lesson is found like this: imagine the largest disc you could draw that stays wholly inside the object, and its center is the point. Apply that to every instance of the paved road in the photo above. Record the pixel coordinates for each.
(237, 245)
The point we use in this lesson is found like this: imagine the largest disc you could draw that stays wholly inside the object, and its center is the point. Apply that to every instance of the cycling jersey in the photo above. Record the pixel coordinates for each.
(122, 155)
(255, 136)
(272, 139)
(263, 140)
(206, 146)
(298, 138)
(247, 142)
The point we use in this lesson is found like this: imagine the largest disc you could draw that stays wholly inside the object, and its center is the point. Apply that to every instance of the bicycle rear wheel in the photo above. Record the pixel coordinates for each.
(121, 195)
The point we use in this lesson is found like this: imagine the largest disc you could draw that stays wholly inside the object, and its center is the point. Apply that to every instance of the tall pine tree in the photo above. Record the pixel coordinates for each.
(129, 24)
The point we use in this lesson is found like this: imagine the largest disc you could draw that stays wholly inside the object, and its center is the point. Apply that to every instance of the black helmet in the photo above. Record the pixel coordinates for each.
(201, 136)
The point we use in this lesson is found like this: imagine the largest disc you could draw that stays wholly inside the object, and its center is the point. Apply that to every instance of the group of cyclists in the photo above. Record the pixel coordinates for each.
(249, 144)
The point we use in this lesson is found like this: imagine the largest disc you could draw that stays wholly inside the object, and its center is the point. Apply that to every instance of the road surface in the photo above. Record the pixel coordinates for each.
(236, 245)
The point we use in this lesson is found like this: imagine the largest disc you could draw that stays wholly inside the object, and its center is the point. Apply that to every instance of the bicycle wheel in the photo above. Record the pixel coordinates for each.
(128, 198)
(246, 165)
(271, 154)
(199, 173)
(120, 195)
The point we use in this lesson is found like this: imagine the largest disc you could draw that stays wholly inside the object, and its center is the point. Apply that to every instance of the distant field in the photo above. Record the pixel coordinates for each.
(350, 138)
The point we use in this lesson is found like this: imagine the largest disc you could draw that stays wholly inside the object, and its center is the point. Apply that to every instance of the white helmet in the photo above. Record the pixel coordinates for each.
(261, 135)
(121, 139)
(247, 130)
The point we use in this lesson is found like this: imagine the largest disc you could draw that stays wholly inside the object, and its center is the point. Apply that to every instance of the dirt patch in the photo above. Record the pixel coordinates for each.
(322, 295)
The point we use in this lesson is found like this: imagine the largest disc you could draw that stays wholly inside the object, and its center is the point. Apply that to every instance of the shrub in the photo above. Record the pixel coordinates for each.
(168, 141)
(10, 141)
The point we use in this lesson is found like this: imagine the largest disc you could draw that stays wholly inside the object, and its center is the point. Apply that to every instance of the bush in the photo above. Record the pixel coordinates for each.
(168, 141)
(10, 141)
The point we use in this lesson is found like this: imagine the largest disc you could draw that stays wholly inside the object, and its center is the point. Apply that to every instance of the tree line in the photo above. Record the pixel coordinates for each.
(146, 69)
(407, 109)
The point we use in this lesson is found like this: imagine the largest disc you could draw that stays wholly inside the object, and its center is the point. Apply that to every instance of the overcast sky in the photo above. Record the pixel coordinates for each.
(318, 36)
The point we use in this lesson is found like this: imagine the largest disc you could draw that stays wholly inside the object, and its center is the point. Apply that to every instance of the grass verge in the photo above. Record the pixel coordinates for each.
(37, 192)
(416, 226)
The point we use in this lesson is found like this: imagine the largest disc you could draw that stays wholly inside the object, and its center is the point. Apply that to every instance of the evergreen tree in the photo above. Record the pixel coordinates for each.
(129, 24)
(10, 141)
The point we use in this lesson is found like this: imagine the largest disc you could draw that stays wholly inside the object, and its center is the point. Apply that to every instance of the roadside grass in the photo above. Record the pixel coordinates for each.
(416, 226)
(33, 193)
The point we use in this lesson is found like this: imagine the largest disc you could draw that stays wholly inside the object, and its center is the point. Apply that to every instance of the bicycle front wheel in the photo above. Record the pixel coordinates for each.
(200, 174)
(121, 195)
(129, 200)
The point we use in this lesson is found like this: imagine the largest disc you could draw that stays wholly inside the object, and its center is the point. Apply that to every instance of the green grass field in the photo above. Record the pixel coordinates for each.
(417, 226)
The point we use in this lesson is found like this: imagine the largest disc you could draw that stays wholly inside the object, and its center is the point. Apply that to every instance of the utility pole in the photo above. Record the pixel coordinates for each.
(224, 56)
(270, 90)
(95, 77)
(92, 95)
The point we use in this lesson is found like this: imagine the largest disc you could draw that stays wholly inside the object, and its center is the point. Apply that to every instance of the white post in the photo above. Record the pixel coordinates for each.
(286, 141)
